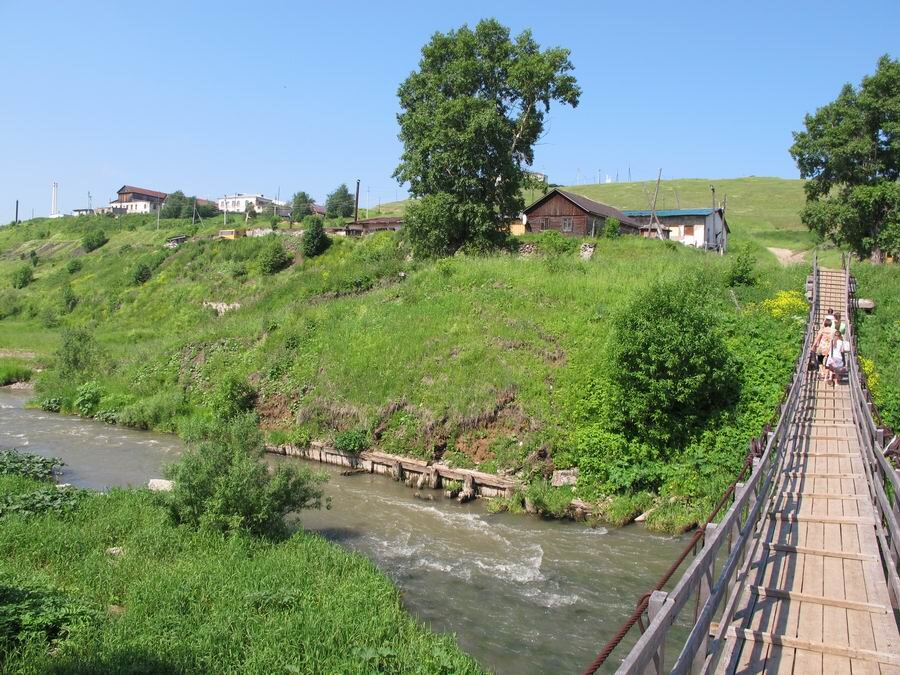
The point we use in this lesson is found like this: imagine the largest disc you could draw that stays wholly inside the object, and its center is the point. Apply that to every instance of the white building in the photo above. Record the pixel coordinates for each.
(701, 228)
(263, 205)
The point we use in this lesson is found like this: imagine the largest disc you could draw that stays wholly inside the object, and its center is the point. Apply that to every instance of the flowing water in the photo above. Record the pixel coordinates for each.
(523, 595)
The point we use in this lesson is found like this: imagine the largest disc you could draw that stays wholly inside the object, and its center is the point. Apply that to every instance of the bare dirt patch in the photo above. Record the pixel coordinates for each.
(786, 256)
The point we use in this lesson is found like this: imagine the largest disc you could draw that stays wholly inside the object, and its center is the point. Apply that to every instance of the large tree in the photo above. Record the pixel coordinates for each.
(340, 203)
(850, 156)
(301, 206)
(471, 115)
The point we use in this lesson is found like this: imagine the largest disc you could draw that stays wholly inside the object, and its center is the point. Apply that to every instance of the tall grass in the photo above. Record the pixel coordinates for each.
(188, 601)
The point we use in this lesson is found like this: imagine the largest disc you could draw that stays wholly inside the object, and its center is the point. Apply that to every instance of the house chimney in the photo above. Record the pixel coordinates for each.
(356, 209)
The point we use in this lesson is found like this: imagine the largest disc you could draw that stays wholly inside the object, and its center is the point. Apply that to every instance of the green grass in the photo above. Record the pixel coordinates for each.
(14, 370)
(179, 600)
(484, 359)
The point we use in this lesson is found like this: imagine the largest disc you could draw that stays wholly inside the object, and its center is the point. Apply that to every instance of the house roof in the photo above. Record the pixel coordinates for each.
(381, 220)
(668, 213)
(676, 213)
(142, 191)
(589, 205)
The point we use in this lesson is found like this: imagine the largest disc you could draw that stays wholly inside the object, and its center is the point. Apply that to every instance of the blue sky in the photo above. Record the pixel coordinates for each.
(255, 97)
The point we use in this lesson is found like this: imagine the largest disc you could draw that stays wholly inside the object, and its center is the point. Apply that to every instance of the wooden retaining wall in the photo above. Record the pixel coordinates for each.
(414, 472)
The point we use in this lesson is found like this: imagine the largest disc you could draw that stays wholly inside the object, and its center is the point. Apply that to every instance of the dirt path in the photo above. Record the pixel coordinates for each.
(786, 256)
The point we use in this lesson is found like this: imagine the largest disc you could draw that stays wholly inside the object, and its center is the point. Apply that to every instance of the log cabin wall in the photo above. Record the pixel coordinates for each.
(557, 213)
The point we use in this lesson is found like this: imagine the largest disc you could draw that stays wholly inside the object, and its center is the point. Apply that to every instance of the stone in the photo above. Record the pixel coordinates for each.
(865, 304)
(587, 251)
(160, 485)
(115, 551)
(562, 477)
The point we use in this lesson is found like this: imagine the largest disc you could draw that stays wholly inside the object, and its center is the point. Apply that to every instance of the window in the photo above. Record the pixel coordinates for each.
(688, 230)
(567, 225)
(545, 223)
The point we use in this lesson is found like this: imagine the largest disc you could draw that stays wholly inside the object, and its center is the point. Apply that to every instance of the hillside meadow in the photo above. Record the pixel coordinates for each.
(498, 362)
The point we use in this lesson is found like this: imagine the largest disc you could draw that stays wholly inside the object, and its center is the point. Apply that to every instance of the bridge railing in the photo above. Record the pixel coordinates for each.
(884, 482)
(711, 594)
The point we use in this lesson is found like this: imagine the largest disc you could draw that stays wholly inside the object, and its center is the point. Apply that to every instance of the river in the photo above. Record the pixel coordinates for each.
(523, 595)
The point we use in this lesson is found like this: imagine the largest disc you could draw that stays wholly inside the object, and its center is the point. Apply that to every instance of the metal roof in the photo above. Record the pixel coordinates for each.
(670, 213)
(589, 205)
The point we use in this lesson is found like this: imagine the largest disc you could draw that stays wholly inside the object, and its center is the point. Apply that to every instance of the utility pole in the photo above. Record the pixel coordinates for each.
(356, 208)
(158, 211)
(367, 201)
(17, 212)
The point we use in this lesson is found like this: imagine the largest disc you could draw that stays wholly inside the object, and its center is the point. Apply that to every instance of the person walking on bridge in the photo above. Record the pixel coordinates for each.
(834, 364)
(822, 345)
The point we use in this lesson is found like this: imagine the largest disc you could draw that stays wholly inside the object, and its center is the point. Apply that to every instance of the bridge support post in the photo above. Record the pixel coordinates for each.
(657, 601)
(703, 593)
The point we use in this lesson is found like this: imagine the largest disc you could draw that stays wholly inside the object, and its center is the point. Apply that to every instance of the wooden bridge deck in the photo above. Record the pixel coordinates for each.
(816, 599)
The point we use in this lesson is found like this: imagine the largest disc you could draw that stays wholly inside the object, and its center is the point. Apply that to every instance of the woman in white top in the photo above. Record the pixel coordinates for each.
(835, 361)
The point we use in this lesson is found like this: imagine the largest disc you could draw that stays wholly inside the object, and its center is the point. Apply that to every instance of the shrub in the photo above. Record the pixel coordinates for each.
(608, 463)
(273, 258)
(552, 242)
(353, 441)
(223, 486)
(742, 268)
(231, 397)
(43, 500)
(77, 352)
(33, 258)
(315, 241)
(87, 398)
(670, 368)
(548, 500)
(68, 299)
(53, 404)
(94, 239)
(27, 465)
(611, 228)
(31, 614)
(22, 276)
(141, 274)
(73, 266)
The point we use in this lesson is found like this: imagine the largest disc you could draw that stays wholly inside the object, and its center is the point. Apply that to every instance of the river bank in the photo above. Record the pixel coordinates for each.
(523, 595)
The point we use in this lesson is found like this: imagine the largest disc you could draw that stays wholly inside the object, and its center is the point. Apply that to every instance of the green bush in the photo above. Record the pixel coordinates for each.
(22, 276)
(27, 465)
(231, 397)
(741, 270)
(273, 258)
(77, 353)
(141, 274)
(548, 500)
(608, 463)
(73, 266)
(353, 441)
(53, 404)
(93, 240)
(315, 241)
(611, 228)
(670, 368)
(551, 242)
(51, 499)
(35, 614)
(68, 300)
(87, 398)
(222, 485)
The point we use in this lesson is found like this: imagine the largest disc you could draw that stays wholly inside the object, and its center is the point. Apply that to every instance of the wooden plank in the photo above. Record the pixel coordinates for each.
(828, 553)
(815, 518)
(825, 495)
(887, 658)
(820, 599)
(812, 474)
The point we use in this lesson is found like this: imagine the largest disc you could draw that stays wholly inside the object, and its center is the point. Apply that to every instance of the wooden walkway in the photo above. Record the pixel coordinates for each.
(815, 599)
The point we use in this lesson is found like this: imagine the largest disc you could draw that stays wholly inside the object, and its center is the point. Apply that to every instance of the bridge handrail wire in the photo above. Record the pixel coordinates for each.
(734, 529)
(884, 481)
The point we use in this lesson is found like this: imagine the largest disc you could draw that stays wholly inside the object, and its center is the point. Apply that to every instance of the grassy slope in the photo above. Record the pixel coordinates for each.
(183, 601)
(425, 364)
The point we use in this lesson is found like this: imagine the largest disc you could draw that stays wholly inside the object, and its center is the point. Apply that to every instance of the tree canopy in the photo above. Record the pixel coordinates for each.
(301, 206)
(849, 153)
(179, 205)
(340, 203)
(470, 117)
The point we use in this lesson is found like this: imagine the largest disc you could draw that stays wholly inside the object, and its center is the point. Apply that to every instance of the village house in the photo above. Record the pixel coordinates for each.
(574, 215)
(701, 228)
(132, 199)
(237, 203)
(377, 224)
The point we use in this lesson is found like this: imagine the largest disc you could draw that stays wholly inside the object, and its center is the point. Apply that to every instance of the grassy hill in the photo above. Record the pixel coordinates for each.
(491, 362)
